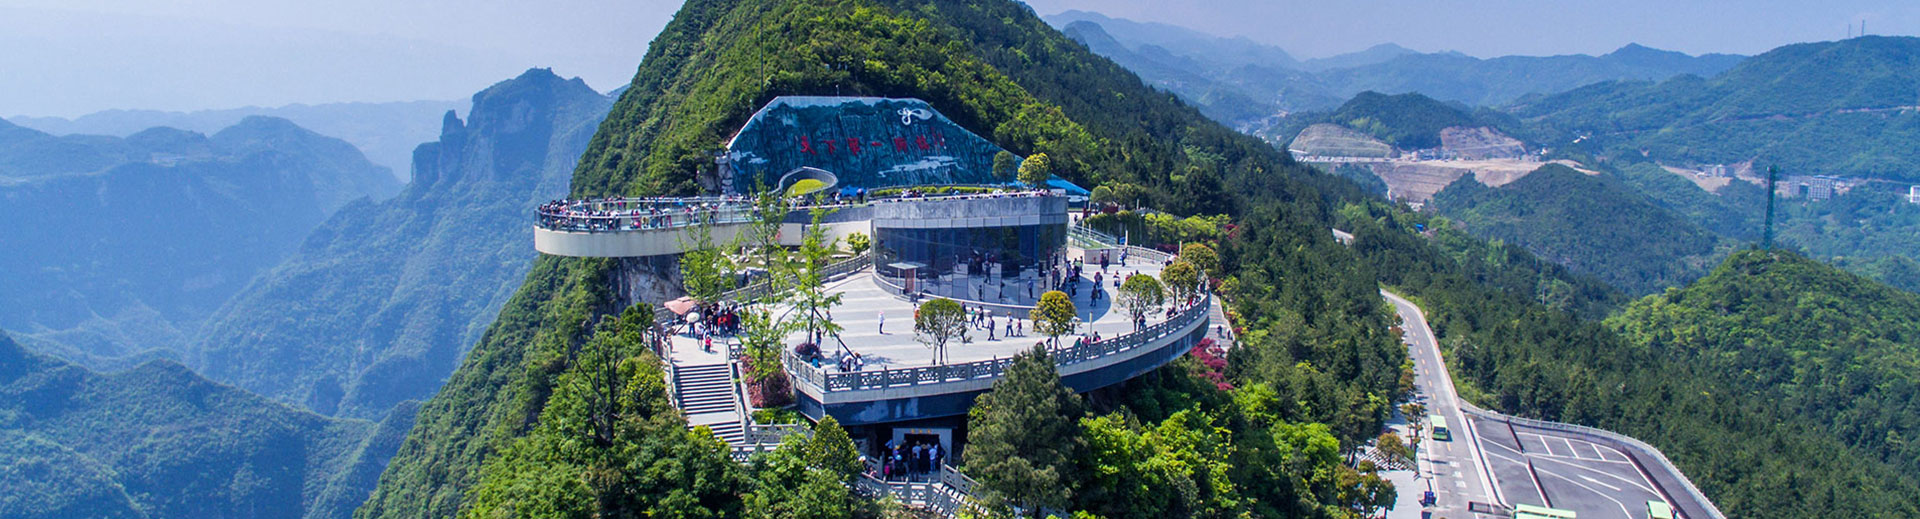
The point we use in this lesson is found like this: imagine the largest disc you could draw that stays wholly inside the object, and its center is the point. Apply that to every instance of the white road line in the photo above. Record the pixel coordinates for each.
(1583, 460)
(1636, 484)
(1623, 506)
(1597, 482)
(1576, 452)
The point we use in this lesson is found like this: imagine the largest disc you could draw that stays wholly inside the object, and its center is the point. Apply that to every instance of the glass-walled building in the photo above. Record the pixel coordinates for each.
(989, 250)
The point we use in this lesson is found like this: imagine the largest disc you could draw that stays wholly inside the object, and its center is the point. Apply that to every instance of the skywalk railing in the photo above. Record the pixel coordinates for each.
(656, 213)
(805, 372)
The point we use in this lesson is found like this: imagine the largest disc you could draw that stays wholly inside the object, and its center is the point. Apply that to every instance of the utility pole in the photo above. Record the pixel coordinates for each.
(1766, 240)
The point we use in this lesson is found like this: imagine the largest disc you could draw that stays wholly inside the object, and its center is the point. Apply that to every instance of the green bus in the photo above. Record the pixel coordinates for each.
(1440, 432)
(1659, 510)
(1541, 512)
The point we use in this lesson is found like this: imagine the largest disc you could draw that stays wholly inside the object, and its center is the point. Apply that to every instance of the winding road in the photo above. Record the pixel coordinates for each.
(1493, 458)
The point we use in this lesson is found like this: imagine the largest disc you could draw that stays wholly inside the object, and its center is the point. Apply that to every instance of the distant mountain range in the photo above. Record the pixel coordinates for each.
(1847, 108)
(1239, 81)
(119, 247)
(379, 304)
(385, 132)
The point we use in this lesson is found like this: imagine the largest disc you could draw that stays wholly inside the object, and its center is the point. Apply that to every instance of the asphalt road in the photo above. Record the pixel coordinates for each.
(1519, 464)
(1451, 469)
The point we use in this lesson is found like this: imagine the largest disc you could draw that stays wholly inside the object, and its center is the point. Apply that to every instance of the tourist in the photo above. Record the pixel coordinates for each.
(883, 323)
(990, 329)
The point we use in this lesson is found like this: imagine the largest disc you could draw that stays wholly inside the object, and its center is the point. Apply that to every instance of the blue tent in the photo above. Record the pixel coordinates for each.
(1072, 190)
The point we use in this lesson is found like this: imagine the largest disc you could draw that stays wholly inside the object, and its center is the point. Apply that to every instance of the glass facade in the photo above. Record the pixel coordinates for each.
(988, 264)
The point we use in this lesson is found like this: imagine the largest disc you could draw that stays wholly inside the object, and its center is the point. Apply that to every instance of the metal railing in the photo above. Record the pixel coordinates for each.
(1665, 465)
(806, 373)
(655, 213)
(945, 496)
(1082, 231)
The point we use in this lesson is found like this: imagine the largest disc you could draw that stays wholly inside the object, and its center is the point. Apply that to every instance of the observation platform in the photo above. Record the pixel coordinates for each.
(900, 382)
(641, 227)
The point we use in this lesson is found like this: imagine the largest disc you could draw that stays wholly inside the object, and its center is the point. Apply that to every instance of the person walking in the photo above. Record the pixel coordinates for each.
(883, 323)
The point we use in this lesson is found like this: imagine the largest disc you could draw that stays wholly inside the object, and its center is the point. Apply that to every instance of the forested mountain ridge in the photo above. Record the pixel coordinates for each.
(1240, 82)
(1816, 340)
(495, 439)
(120, 248)
(157, 441)
(1593, 224)
(1842, 108)
(377, 305)
(386, 132)
(1730, 436)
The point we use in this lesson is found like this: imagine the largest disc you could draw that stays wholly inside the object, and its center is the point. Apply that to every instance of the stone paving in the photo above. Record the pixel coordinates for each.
(864, 302)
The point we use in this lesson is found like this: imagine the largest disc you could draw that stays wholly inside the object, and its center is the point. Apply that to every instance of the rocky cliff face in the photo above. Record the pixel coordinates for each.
(379, 303)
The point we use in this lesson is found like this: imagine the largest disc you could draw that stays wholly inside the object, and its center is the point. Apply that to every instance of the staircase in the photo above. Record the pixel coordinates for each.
(706, 395)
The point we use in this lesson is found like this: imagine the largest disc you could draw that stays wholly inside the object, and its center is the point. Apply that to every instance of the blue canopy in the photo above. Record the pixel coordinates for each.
(1072, 190)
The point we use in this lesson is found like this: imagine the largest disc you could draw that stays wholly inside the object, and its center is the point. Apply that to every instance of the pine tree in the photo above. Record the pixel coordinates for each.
(1025, 436)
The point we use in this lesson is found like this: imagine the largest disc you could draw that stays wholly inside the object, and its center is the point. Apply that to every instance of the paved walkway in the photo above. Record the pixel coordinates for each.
(864, 302)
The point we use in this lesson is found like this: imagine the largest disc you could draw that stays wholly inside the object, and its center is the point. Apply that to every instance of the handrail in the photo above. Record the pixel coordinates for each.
(1665, 464)
(1082, 230)
(655, 213)
(805, 372)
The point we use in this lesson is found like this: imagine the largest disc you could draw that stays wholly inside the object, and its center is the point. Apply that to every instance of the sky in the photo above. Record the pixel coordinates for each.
(71, 57)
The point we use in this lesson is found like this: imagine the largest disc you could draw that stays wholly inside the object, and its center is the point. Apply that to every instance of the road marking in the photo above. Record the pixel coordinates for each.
(1597, 482)
(1636, 484)
(1623, 506)
(1576, 452)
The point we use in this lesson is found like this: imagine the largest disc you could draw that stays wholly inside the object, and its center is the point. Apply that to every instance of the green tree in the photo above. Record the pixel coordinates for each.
(1397, 452)
(1036, 170)
(1026, 437)
(1006, 166)
(830, 449)
(706, 271)
(1140, 294)
(1202, 257)
(1101, 195)
(938, 322)
(1054, 315)
(859, 242)
(811, 300)
(1182, 279)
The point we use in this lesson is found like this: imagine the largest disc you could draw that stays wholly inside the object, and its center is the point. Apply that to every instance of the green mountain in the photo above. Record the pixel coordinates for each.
(1406, 121)
(1460, 78)
(158, 441)
(1593, 224)
(120, 248)
(1843, 108)
(1736, 432)
(1788, 340)
(378, 303)
(1243, 83)
(500, 437)
(386, 132)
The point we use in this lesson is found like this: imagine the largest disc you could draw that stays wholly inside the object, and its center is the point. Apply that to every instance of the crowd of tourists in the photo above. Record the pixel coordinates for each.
(910, 460)
(619, 214)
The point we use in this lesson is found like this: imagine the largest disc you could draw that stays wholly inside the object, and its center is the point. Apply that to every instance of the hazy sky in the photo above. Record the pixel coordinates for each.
(71, 57)
(1486, 28)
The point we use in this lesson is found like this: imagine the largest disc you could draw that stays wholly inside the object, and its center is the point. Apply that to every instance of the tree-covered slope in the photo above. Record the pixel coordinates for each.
(1834, 353)
(1593, 224)
(496, 435)
(158, 441)
(380, 301)
(128, 260)
(1727, 430)
(1838, 108)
